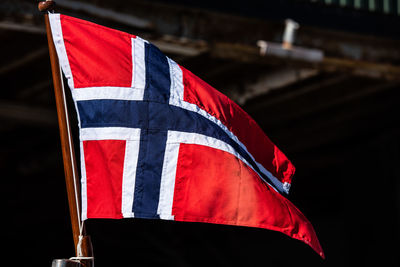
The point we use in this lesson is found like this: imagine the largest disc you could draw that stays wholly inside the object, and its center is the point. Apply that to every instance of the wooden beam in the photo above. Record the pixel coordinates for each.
(361, 68)
(326, 104)
(24, 59)
(251, 54)
(105, 13)
(22, 27)
(182, 47)
(22, 113)
(360, 114)
(293, 94)
(272, 81)
(34, 90)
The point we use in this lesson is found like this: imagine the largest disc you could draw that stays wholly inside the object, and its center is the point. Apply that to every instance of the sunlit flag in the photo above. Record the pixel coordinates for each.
(158, 142)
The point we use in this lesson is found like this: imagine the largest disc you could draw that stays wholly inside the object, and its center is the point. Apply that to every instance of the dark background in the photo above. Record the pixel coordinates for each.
(339, 126)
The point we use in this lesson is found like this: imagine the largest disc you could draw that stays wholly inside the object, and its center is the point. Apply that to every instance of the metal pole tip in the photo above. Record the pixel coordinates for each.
(65, 263)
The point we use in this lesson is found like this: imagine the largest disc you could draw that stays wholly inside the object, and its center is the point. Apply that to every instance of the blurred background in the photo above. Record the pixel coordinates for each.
(327, 94)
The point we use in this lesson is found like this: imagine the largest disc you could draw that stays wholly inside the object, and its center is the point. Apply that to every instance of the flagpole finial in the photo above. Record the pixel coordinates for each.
(47, 5)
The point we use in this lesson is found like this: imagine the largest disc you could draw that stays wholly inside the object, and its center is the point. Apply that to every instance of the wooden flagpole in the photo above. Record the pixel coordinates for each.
(70, 170)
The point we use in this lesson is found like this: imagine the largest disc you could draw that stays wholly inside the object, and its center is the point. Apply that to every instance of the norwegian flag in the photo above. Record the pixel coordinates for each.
(158, 142)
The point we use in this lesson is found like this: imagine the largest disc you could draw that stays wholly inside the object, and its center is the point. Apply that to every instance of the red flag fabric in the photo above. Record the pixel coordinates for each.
(158, 142)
